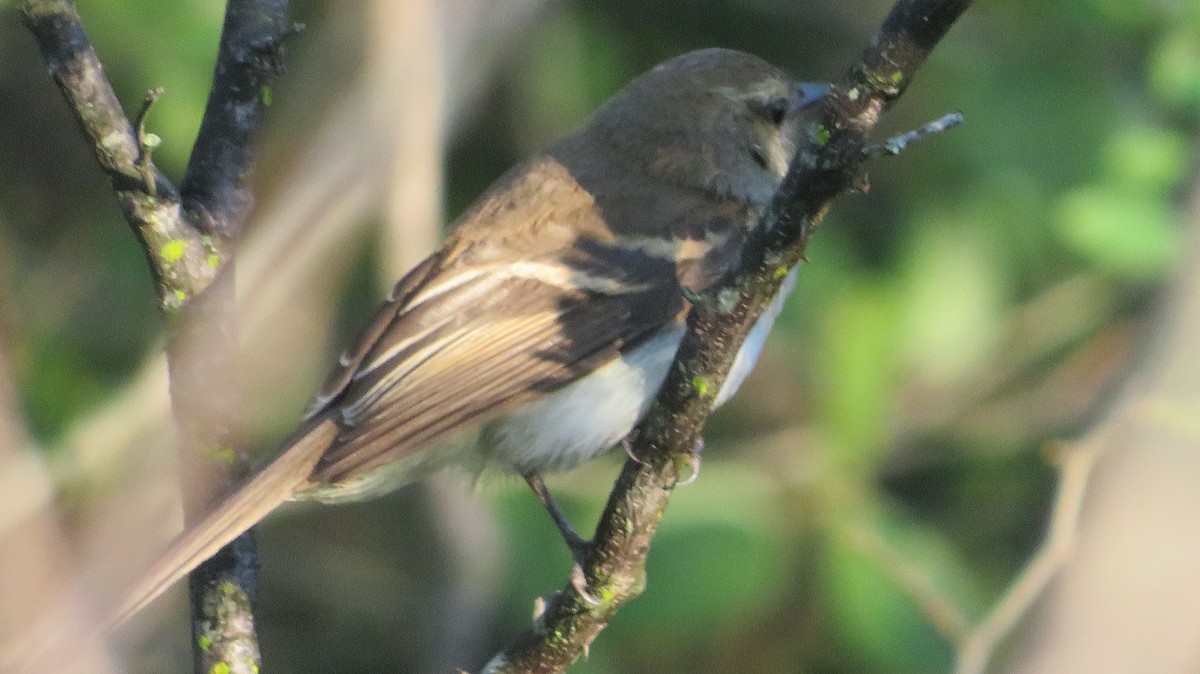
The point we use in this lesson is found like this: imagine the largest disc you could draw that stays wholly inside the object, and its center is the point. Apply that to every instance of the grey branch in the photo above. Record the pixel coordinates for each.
(188, 242)
(216, 190)
(178, 254)
(1075, 463)
(897, 144)
(203, 352)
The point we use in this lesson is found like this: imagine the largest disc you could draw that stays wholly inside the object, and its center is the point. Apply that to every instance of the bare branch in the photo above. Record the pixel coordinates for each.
(825, 167)
(147, 141)
(216, 187)
(896, 145)
(1075, 468)
(186, 241)
(937, 608)
(975, 645)
(179, 256)
(202, 354)
(1128, 599)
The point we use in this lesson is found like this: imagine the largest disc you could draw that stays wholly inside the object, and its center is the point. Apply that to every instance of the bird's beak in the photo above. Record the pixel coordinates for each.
(804, 94)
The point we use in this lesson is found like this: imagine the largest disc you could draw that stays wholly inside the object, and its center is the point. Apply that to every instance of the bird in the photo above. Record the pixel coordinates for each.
(537, 335)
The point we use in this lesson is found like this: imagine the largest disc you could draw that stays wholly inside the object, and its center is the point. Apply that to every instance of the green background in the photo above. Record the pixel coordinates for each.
(983, 299)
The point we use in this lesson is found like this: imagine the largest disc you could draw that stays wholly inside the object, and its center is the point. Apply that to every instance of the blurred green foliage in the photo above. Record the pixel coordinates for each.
(916, 374)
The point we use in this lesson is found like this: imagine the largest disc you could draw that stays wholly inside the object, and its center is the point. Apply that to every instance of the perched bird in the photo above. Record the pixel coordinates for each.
(539, 333)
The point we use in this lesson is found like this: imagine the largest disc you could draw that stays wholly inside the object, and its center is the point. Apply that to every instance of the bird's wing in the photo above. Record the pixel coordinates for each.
(468, 346)
(542, 283)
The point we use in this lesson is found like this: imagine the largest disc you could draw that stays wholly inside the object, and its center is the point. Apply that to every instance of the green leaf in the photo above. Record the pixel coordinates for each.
(1125, 14)
(1151, 158)
(1174, 69)
(1124, 233)
(952, 302)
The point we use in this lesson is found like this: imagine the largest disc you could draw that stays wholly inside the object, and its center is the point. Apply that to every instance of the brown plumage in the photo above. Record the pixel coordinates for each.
(546, 321)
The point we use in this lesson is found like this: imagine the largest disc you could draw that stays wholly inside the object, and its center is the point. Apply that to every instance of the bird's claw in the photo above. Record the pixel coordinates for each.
(693, 463)
(580, 583)
(627, 444)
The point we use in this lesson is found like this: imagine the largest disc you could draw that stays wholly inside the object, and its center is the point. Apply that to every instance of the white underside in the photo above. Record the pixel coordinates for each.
(569, 427)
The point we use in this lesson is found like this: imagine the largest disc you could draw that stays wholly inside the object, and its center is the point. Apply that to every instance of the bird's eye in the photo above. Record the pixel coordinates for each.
(773, 110)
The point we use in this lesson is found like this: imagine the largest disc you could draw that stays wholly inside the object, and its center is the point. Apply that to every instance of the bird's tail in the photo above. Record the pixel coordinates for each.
(233, 515)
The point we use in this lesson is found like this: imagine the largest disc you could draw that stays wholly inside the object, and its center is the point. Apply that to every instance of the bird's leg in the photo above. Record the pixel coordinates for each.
(579, 546)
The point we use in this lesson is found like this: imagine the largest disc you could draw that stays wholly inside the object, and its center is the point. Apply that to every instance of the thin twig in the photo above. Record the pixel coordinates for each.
(937, 608)
(147, 142)
(1075, 464)
(897, 144)
(976, 645)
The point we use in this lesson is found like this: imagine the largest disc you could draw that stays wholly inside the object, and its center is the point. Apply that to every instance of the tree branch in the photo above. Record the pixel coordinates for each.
(216, 190)
(179, 256)
(976, 644)
(202, 353)
(1075, 464)
(825, 167)
(187, 240)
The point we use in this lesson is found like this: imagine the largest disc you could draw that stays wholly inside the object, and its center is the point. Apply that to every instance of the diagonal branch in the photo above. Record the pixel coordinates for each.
(826, 167)
(1075, 465)
(178, 254)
